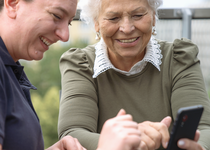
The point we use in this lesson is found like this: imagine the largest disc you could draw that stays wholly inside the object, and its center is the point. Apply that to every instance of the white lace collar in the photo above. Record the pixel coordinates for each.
(102, 62)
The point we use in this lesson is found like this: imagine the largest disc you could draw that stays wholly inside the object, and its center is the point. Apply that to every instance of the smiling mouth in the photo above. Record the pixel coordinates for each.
(128, 41)
(45, 41)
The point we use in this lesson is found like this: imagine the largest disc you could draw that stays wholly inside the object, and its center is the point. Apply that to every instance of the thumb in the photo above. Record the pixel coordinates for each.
(166, 121)
(121, 112)
(197, 135)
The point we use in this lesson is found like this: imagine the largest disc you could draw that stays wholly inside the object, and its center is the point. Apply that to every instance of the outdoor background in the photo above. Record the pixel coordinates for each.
(45, 74)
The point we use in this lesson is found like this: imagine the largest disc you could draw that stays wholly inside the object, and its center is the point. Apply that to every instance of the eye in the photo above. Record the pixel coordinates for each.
(113, 19)
(137, 16)
(57, 16)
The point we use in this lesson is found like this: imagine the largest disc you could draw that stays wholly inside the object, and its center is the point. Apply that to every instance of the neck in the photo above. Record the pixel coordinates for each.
(125, 63)
(6, 33)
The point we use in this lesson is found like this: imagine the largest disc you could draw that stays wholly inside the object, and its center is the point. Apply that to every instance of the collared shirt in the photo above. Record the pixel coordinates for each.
(102, 62)
(19, 124)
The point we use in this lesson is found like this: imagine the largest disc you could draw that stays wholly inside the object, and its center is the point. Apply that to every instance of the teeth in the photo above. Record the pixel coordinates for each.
(128, 41)
(45, 41)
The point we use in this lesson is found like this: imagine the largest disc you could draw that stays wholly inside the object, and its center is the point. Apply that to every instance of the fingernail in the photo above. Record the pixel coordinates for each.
(181, 143)
(166, 144)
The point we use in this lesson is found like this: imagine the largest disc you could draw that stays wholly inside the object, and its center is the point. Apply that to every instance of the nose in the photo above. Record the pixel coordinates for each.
(126, 25)
(63, 33)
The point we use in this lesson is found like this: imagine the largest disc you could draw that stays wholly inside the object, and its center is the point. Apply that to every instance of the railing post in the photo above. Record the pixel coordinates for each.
(186, 23)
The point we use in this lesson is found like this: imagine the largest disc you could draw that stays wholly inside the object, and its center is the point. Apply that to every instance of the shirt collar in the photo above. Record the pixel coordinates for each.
(102, 63)
(16, 66)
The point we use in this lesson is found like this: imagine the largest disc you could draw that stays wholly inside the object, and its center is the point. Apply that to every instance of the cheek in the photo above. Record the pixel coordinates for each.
(108, 30)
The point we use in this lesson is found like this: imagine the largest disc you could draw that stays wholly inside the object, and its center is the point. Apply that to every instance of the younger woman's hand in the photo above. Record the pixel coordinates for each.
(119, 133)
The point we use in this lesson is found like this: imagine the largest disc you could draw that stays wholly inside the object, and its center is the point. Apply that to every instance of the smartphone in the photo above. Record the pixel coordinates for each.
(185, 125)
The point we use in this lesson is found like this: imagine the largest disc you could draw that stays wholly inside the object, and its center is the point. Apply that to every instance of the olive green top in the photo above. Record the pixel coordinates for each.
(86, 102)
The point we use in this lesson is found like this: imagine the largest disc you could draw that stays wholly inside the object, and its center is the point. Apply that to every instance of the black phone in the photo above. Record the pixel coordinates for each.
(185, 125)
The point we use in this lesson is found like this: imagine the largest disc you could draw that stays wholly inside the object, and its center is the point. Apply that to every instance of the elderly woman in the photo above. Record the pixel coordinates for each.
(128, 68)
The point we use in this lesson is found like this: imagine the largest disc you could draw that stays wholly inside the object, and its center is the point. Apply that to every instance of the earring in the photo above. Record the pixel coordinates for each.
(98, 36)
(154, 30)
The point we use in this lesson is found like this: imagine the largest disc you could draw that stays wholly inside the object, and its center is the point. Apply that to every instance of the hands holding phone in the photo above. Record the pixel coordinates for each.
(122, 133)
(190, 144)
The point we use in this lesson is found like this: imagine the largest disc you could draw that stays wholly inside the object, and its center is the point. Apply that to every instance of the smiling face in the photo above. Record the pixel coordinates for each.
(38, 24)
(126, 27)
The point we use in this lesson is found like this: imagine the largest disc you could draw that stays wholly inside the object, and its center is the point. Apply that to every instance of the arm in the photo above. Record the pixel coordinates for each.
(0, 147)
(78, 115)
(188, 86)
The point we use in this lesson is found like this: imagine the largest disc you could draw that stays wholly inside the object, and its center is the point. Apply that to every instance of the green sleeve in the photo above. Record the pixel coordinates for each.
(188, 86)
(78, 114)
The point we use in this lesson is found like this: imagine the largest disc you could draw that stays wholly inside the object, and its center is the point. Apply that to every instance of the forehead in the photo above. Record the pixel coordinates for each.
(68, 6)
(117, 5)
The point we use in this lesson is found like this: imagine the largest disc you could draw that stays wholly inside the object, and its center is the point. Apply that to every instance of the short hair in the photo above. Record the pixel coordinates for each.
(90, 9)
(2, 3)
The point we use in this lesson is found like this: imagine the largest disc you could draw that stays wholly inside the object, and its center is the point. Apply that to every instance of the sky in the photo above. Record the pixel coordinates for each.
(179, 3)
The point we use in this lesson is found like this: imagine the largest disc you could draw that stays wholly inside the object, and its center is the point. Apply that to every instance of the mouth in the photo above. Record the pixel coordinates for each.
(45, 41)
(129, 40)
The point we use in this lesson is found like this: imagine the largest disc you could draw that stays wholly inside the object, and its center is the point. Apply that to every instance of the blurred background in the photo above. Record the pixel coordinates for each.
(178, 18)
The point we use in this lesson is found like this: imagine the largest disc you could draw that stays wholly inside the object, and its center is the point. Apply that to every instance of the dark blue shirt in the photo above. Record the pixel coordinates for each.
(19, 124)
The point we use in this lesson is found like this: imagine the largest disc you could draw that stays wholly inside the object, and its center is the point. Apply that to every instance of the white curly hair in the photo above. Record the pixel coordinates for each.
(90, 9)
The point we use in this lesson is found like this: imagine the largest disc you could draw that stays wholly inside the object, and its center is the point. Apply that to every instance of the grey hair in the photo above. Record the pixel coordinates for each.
(90, 9)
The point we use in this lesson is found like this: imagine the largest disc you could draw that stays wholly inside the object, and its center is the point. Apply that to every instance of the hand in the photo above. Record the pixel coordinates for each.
(119, 133)
(67, 143)
(153, 134)
(190, 144)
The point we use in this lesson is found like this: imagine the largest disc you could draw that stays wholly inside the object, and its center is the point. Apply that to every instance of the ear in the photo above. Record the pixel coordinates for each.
(154, 19)
(11, 7)
(97, 29)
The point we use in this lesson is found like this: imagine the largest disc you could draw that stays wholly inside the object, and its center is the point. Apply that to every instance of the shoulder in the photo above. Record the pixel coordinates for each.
(180, 51)
(78, 57)
(79, 53)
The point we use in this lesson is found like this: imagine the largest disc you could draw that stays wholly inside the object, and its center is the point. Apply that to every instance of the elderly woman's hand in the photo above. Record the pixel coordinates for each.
(190, 144)
(153, 134)
(119, 133)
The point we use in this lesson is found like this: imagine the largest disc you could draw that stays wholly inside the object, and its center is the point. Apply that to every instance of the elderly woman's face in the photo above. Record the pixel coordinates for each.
(126, 27)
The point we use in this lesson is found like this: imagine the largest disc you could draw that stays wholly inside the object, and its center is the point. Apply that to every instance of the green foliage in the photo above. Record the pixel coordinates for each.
(45, 75)
(47, 109)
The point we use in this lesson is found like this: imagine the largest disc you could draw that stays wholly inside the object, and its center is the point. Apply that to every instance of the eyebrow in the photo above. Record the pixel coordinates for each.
(111, 12)
(138, 9)
(64, 11)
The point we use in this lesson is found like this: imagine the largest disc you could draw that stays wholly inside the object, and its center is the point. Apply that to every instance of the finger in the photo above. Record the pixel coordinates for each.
(163, 129)
(129, 124)
(197, 135)
(71, 143)
(151, 132)
(189, 144)
(143, 146)
(133, 140)
(148, 142)
(124, 117)
(80, 147)
(121, 112)
(167, 121)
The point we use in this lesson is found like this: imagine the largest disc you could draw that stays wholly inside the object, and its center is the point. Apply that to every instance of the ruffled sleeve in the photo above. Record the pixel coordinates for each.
(78, 114)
